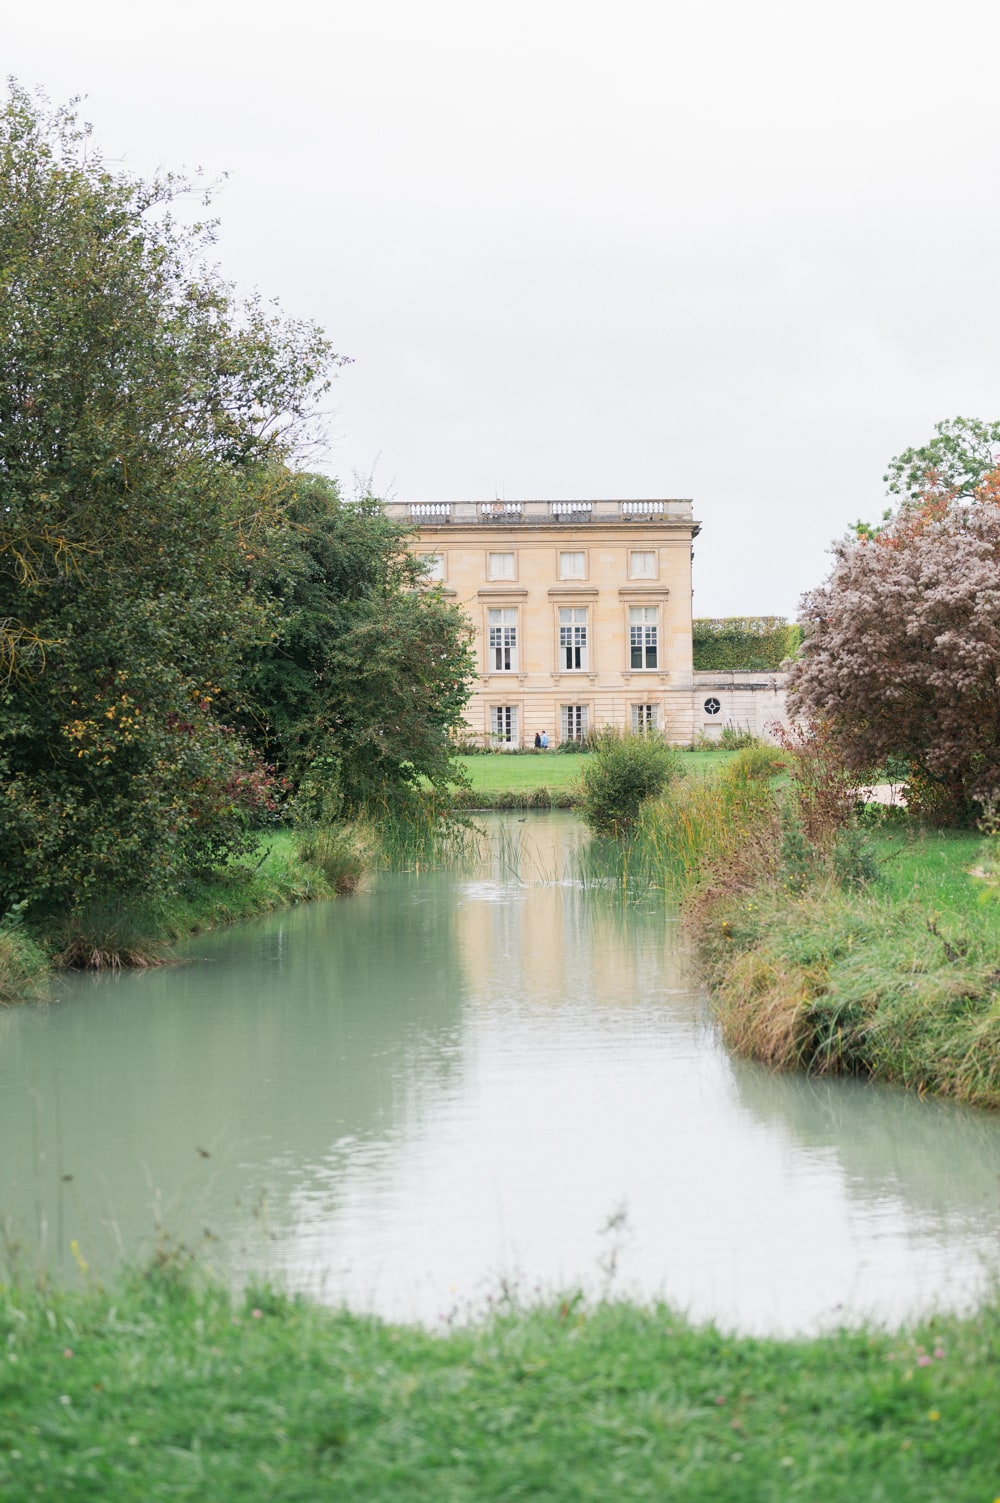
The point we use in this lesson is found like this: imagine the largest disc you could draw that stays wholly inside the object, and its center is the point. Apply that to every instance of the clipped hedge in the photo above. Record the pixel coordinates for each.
(754, 643)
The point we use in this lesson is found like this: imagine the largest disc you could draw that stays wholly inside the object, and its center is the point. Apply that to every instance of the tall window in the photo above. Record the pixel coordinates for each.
(573, 636)
(572, 566)
(645, 717)
(642, 565)
(503, 724)
(573, 721)
(502, 656)
(500, 566)
(642, 635)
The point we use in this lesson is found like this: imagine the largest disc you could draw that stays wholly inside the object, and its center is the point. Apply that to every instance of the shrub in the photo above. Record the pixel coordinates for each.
(624, 770)
(757, 760)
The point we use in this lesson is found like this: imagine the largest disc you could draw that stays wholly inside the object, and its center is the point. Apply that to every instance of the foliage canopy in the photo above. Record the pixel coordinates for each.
(367, 670)
(177, 603)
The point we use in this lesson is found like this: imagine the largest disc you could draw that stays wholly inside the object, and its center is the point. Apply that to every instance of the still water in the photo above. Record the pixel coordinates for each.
(458, 1083)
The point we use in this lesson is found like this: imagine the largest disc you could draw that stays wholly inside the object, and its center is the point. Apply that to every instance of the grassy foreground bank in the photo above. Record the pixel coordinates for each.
(164, 1388)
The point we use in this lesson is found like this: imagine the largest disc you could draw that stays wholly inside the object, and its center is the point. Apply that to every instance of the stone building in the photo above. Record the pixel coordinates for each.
(582, 615)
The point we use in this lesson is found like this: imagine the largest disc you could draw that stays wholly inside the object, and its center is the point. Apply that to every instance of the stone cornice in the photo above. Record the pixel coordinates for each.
(640, 592)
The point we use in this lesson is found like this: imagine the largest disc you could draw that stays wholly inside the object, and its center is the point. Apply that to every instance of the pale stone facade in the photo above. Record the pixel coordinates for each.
(582, 616)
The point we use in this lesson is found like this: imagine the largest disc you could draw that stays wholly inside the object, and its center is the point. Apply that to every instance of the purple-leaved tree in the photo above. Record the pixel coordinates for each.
(901, 657)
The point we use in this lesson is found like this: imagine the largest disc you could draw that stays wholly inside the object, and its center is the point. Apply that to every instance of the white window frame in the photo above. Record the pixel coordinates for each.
(504, 725)
(643, 637)
(645, 717)
(572, 564)
(574, 722)
(501, 565)
(502, 639)
(642, 563)
(574, 639)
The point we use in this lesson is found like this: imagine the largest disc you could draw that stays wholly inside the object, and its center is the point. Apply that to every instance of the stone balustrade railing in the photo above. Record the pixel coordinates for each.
(437, 513)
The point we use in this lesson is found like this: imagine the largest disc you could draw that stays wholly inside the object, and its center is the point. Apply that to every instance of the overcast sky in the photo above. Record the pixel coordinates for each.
(738, 252)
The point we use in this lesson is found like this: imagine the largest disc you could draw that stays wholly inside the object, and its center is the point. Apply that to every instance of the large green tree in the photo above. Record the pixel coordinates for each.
(367, 668)
(953, 464)
(144, 416)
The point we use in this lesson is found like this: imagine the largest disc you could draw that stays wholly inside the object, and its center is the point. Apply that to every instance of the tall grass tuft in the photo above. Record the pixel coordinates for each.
(423, 829)
(23, 963)
(336, 852)
(112, 935)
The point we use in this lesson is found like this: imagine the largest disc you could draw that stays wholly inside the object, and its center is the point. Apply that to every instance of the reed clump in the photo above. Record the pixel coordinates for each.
(338, 853)
(112, 935)
(479, 800)
(423, 829)
(23, 963)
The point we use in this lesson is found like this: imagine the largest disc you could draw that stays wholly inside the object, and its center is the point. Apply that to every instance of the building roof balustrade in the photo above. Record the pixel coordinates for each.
(500, 511)
(575, 511)
(431, 511)
(538, 513)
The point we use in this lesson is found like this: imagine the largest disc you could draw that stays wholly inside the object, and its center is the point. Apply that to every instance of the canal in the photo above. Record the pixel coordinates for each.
(462, 1085)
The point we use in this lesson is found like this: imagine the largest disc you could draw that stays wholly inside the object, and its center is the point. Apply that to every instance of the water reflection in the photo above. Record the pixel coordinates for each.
(458, 1078)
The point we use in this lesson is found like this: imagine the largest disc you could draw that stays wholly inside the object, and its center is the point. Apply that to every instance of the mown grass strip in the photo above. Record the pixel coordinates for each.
(501, 772)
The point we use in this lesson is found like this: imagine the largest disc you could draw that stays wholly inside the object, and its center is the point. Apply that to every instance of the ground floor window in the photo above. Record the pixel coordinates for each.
(642, 622)
(573, 722)
(645, 717)
(503, 724)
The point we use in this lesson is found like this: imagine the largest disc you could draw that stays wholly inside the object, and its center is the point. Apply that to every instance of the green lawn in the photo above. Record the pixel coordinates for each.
(931, 868)
(521, 773)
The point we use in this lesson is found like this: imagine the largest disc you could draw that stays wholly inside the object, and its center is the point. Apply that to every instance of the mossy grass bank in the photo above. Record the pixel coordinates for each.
(869, 948)
(291, 867)
(897, 979)
(164, 1386)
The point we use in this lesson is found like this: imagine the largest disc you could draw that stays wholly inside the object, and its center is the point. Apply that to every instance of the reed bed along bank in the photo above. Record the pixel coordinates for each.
(165, 1386)
(291, 867)
(865, 951)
